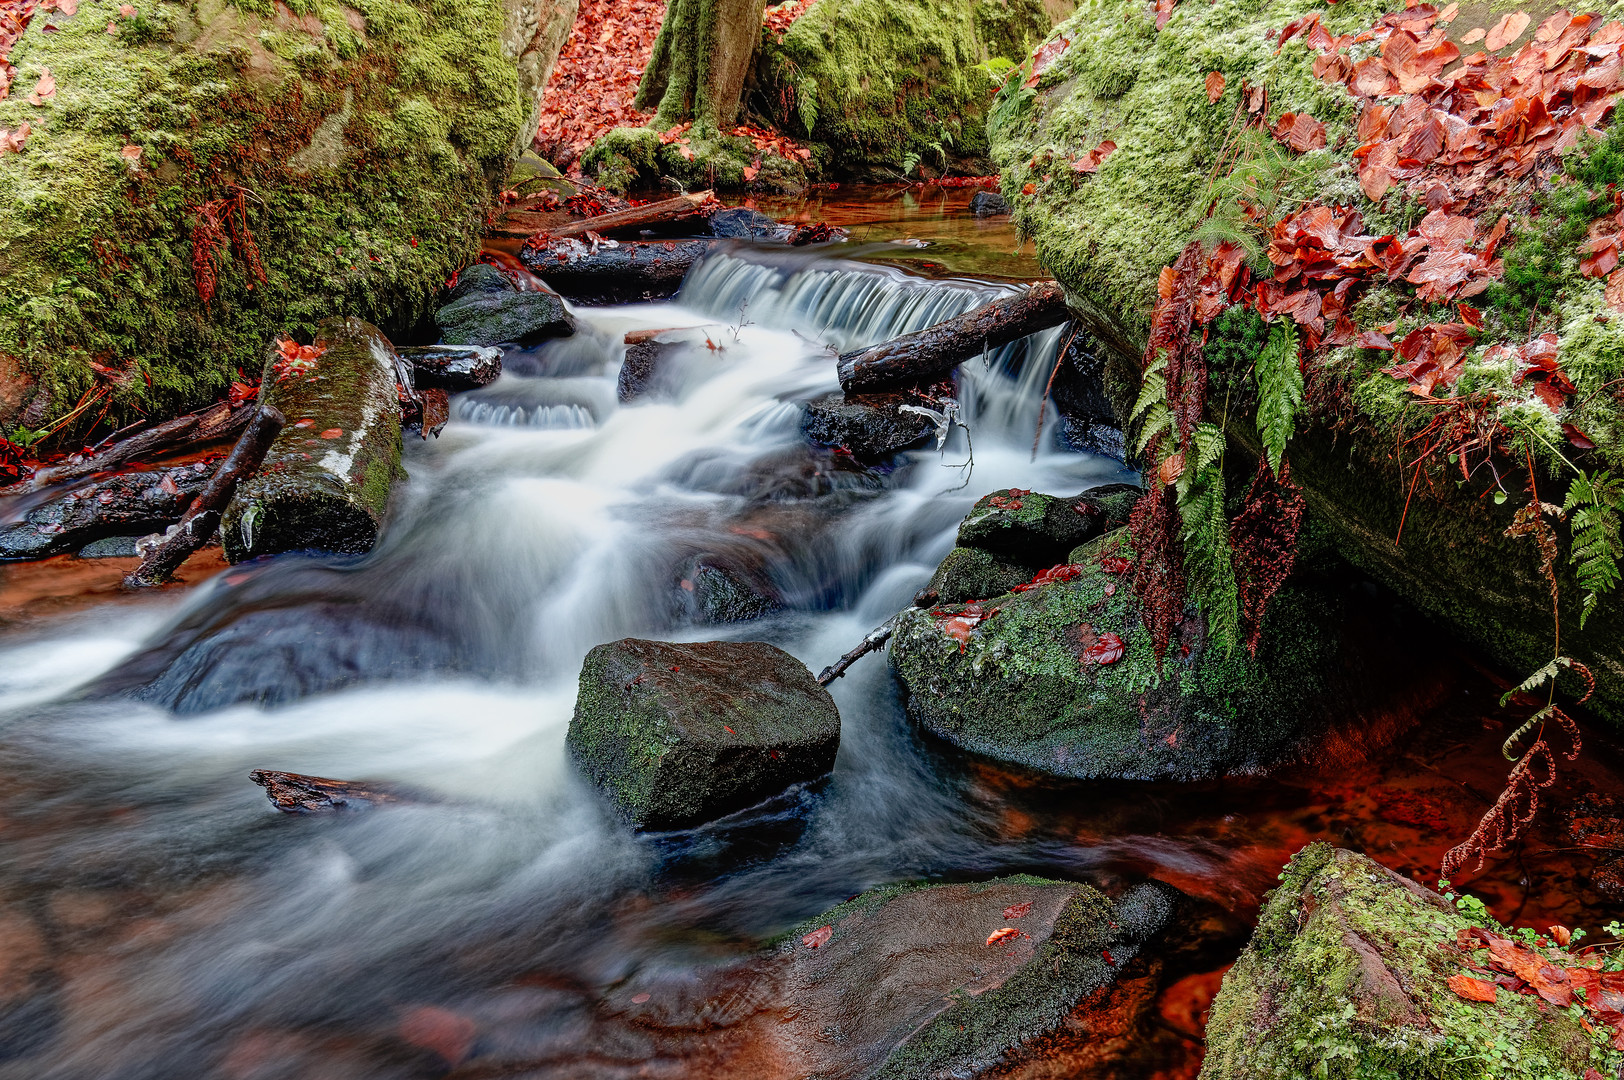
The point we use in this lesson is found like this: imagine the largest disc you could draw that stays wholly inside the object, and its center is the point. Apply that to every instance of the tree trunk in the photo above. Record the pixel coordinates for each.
(927, 354)
(699, 63)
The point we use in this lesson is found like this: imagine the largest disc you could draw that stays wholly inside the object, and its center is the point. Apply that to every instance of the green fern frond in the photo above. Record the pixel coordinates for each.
(1279, 390)
(1208, 558)
(1157, 419)
(1152, 389)
(1206, 449)
(1538, 678)
(1593, 502)
(806, 103)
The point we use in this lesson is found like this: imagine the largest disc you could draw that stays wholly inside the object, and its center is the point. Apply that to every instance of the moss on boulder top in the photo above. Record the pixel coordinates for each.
(207, 175)
(1345, 977)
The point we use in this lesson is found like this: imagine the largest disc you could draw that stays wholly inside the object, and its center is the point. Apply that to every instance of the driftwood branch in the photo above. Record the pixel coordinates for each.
(203, 516)
(876, 638)
(633, 218)
(215, 422)
(295, 793)
(926, 355)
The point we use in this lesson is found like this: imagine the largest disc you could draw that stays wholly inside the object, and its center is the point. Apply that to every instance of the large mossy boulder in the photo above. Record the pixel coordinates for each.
(1346, 976)
(681, 733)
(1414, 518)
(1062, 678)
(207, 175)
(909, 981)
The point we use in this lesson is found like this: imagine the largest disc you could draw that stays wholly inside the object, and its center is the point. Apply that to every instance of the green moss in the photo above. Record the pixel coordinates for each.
(890, 85)
(1018, 690)
(367, 156)
(1345, 978)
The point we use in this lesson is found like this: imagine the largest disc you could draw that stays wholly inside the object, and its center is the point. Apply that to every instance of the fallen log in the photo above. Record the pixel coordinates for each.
(926, 355)
(700, 204)
(629, 272)
(325, 484)
(453, 367)
(202, 518)
(207, 425)
(130, 504)
(295, 793)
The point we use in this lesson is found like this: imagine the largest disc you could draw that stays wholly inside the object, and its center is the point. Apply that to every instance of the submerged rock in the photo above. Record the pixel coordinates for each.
(1350, 964)
(1062, 678)
(677, 734)
(726, 595)
(988, 204)
(869, 426)
(742, 223)
(325, 484)
(208, 175)
(485, 308)
(914, 981)
(133, 504)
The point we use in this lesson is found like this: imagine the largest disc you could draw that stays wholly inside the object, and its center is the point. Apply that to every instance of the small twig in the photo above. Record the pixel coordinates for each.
(1043, 405)
(876, 638)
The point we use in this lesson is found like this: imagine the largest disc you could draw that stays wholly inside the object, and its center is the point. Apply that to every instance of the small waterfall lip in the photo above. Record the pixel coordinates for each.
(544, 417)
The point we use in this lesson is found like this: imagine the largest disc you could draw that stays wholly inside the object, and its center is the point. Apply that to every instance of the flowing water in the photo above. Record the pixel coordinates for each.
(160, 920)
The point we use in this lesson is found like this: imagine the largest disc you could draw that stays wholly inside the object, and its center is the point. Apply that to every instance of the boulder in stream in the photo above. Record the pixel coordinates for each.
(1062, 678)
(1040, 530)
(452, 367)
(681, 733)
(485, 308)
(325, 484)
(870, 426)
(988, 204)
(1350, 964)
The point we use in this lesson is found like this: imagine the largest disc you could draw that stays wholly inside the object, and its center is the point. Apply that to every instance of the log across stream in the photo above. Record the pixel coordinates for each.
(159, 917)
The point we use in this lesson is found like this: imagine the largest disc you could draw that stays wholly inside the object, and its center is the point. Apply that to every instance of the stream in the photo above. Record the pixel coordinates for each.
(158, 919)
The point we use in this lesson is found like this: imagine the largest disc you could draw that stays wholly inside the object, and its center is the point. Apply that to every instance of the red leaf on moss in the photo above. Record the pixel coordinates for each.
(1473, 989)
(1044, 56)
(1215, 86)
(1107, 650)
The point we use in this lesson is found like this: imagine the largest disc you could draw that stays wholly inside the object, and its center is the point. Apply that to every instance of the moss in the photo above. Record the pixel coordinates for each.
(972, 574)
(889, 85)
(367, 153)
(629, 158)
(1345, 978)
(1019, 691)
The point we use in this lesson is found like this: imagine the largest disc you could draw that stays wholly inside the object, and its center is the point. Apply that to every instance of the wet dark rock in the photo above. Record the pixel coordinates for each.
(725, 595)
(453, 367)
(904, 982)
(110, 547)
(1063, 679)
(742, 223)
(646, 372)
(791, 474)
(870, 426)
(135, 503)
(296, 793)
(1038, 530)
(677, 734)
(1087, 419)
(973, 574)
(1345, 945)
(486, 309)
(988, 203)
(325, 484)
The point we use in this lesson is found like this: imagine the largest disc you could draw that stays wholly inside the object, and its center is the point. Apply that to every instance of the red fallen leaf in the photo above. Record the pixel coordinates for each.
(1583, 442)
(818, 937)
(1107, 650)
(332, 433)
(448, 1034)
(1374, 339)
(1473, 989)
(44, 90)
(1215, 86)
(130, 153)
(1044, 56)
(1171, 468)
(1091, 161)
(1614, 293)
(1106, 954)
(1164, 11)
(1304, 134)
(167, 485)
(1560, 934)
(1029, 188)
(126, 10)
(306, 422)
(1115, 564)
(1008, 933)
(1018, 911)
(1052, 576)
(1506, 31)
(750, 173)
(729, 730)
(1470, 316)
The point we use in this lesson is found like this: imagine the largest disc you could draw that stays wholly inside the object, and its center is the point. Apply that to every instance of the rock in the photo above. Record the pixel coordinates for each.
(904, 982)
(646, 371)
(129, 505)
(1039, 531)
(987, 204)
(325, 484)
(486, 309)
(1020, 683)
(678, 734)
(723, 595)
(1351, 959)
(308, 164)
(972, 574)
(110, 547)
(742, 223)
(452, 367)
(873, 425)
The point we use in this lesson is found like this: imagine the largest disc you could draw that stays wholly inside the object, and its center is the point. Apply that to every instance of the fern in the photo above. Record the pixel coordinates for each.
(1151, 411)
(806, 104)
(1208, 563)
(1594, 502)
(1279, 391)
(910, 162)
(1547, 674)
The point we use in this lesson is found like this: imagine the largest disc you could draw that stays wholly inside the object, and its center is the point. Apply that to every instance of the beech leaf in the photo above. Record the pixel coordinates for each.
(1215, 85)
(818, 937)
(1473, 989)
(1506, 31)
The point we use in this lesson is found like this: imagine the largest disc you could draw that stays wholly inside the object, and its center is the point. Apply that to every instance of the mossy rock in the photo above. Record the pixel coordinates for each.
(301, 161)
(1038, 530)
(972, 574)
(677, 734)
(1017, 688)
(906, 985)
(888, 87)
(630, 158)
(1345, 977)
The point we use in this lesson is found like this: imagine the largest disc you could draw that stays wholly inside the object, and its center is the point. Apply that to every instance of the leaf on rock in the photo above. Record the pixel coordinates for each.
(1018, 911)
(818, 937)
(1472, 37)
(1008, 933)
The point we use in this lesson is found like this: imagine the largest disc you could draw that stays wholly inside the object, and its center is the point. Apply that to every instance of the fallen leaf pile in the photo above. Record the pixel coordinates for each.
(1556, 977)
(15, 15)
(1053, 575)
(780, 18)
(592, 86)
(294, 359)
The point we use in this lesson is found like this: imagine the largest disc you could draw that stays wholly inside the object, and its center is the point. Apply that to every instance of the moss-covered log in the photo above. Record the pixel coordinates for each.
(206, 175)
(325, 484)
